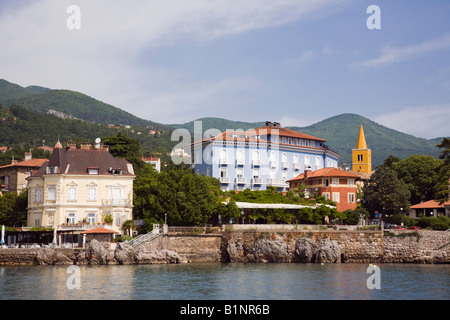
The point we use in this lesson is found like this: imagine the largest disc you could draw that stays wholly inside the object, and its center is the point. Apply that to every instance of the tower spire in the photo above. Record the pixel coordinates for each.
(361, 143)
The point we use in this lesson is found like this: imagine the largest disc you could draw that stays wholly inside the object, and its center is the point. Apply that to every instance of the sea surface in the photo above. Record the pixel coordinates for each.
(226, 281)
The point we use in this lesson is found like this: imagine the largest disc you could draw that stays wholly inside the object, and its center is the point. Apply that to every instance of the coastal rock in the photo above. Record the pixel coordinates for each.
(235, 251)
(271, 251)
(96, 254)
(142, 256)
(328, 251)
(305, 249)
(124, 253)
(51, 257)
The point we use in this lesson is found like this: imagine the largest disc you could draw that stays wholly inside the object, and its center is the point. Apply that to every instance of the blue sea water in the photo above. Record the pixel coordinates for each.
(225, 281)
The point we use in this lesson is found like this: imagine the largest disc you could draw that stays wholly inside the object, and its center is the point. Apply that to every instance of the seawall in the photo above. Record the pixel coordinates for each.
(280, 245)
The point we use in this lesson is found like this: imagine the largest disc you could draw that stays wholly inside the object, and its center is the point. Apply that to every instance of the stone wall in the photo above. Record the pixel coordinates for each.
(417, 247)
(196, 248)
(344, 246)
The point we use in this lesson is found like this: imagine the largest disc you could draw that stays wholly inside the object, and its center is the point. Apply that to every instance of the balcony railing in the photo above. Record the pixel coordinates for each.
(240, 180)
(285, 165)
(223, 161)
(116, 202)
(224, 179)
(256, 180)
(273, 164)
(277, 182)
(240, 162)
(256, 162)
(296, 166)
(80, 227)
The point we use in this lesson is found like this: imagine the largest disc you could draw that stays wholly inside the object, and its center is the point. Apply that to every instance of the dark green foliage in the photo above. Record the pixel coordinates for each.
(186, 198)
(386, 193)
(13, 208)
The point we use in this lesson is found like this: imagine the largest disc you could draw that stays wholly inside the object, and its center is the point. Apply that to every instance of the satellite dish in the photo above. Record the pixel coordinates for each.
(97, 143)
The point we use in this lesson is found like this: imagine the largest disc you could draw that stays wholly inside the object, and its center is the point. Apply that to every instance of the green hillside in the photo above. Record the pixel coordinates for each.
(341, 133)
(11, 91)
(67, 103)
(218, 123)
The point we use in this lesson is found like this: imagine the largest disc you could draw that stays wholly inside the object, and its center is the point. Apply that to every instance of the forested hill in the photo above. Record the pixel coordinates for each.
(67, 104)
(340, 131)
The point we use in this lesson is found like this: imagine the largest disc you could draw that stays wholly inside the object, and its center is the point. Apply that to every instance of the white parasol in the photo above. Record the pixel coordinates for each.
(3, 235)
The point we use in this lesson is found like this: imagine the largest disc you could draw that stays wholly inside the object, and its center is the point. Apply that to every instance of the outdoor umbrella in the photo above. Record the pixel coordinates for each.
(3, 235)
(54, 235)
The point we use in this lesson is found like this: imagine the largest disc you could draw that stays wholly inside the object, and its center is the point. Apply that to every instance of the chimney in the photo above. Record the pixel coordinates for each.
(307, 172)
(28, 156)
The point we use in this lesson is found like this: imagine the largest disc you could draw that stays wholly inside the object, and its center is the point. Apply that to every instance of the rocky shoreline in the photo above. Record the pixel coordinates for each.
(264, 247)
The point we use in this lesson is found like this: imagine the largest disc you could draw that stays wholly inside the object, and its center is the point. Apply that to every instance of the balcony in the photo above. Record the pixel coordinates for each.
(240, 180)
(240, 162)
(256, 163)
(296, 166)
(285, 165)
(277, 183)
(80, 226)
(273, 164)
(223, 161)
(116, 202)
(224, 179)
(256, 181)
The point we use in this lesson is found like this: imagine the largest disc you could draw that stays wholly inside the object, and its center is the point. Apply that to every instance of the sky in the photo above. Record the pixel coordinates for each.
(292, 61)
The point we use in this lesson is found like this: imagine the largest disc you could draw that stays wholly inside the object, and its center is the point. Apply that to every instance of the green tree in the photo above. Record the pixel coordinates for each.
(420, 173)
(122, 146)
(442, 186)
(13, 208)
(386, 193)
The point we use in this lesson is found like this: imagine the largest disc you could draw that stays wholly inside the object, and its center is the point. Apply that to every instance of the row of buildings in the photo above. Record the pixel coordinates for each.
(80, 188)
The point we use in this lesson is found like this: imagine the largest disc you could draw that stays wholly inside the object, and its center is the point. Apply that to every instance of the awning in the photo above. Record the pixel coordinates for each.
(250, 205)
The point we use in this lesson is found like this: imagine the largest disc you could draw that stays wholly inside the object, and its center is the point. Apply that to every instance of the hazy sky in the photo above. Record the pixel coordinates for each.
(293, 61)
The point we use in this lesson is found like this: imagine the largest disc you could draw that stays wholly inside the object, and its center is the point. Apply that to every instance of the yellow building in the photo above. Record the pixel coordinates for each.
(79, 189)
(361, 155)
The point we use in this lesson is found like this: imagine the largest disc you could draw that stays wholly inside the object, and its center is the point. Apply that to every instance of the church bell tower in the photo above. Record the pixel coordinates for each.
(361, 155)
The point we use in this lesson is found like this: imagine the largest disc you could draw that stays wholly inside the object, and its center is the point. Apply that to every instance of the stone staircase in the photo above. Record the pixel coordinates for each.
(155, 233)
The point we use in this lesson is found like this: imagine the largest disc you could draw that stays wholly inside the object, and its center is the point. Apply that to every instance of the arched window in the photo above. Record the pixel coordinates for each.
(318, 163)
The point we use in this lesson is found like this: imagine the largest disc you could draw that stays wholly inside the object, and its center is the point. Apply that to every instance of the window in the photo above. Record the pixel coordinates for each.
(37, 220)
(335, 181)
(326, 195)
(351, 182)
(351, 198)
(38, 195)
(93, 170)
(326, 182)
(92, 193)
(51, 194)
(336, 196)
(360, 157)
(118, 218)
(71, 217)
(256, 173)
(72, 194)
(91, 218)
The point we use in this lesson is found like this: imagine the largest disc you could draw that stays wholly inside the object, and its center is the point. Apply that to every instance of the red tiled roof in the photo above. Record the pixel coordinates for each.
(327, 172)
(29, 163)
(99, 230)
(287, 133)
(430, 204)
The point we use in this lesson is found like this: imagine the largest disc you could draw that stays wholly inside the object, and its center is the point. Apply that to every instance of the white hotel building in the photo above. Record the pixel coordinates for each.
(256, 159)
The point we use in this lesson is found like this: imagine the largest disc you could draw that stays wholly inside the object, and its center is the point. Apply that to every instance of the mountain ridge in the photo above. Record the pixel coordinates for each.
(340, 131)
